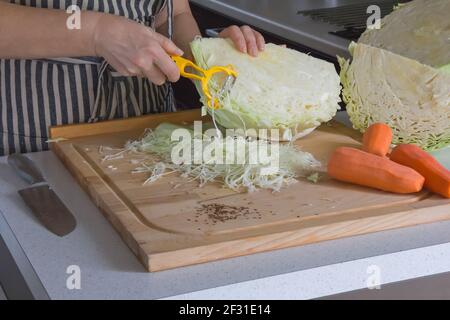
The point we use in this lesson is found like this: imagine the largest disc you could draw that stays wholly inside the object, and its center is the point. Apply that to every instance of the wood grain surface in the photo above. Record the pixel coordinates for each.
(172, 222)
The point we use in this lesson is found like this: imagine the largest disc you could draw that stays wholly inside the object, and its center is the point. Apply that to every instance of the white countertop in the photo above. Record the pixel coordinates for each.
(109, 270)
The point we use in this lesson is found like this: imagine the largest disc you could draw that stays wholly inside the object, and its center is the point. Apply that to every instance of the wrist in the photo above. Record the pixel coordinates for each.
(97, 20)
(87, 34)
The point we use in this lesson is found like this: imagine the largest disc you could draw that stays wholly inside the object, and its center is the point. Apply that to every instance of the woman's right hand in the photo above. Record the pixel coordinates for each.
(136, 50)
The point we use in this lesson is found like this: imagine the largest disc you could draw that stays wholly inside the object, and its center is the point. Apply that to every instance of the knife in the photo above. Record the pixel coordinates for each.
(41, 199)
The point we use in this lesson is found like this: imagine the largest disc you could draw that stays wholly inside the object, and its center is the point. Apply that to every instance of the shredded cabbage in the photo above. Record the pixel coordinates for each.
(281, 88)
(293, 163)
(395, 75)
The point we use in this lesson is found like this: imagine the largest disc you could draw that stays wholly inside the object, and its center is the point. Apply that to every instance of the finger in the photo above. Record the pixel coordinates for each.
(144, 60)
(166, 65)
(124, 66)
(250, 39)
(168, 45)
(131, 68)
(155, 75)
(118, 66)
(236, 35)
(260, 42)
(156, 56)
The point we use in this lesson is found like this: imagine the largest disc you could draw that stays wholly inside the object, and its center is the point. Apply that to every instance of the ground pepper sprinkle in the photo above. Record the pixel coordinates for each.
(216, 212)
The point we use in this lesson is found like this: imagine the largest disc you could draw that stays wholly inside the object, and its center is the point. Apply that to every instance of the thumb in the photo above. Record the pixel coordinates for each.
(168, 45)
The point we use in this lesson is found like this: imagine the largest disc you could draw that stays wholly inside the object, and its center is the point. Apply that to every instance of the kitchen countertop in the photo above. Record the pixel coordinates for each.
(109, 270)
(281, 18)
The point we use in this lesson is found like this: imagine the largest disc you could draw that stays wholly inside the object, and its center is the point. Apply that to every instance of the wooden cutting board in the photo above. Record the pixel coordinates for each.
(172, 222)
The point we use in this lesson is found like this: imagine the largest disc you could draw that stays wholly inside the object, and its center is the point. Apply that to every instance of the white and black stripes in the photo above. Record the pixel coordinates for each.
(170, 18)
(21, 119)
(132, 9)
(37, 94)
(170, 95)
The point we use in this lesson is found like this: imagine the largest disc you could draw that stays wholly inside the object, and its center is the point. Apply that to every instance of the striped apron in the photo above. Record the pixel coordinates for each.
(37, 94)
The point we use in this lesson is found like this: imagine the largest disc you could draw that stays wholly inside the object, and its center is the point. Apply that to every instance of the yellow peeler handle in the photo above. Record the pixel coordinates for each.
(183, 63)
(204, 77)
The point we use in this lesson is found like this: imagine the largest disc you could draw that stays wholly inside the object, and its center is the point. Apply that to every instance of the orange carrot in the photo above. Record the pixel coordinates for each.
(362, 168)
(437, 178)
(377, 139)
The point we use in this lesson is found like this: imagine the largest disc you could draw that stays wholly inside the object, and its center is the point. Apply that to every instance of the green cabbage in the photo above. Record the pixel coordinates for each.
(395, 75)
(281, 88)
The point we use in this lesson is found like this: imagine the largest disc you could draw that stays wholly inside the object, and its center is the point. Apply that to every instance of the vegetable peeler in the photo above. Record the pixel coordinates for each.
(204, 76)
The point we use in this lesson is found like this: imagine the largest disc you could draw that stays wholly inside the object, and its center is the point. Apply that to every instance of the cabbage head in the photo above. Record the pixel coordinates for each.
(281, 88)
(400, 75)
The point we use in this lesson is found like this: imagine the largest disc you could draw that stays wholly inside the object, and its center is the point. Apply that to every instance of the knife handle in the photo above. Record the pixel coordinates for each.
(26, 168)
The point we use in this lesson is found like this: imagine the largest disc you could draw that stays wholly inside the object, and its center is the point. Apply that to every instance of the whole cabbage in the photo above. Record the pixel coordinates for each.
(400, 75)
(281, 88)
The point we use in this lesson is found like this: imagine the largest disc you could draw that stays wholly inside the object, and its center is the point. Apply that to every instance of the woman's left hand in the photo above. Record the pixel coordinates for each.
(245, 39)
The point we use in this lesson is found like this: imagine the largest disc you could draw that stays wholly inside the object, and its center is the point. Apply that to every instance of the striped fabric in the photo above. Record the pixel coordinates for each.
(37, 94)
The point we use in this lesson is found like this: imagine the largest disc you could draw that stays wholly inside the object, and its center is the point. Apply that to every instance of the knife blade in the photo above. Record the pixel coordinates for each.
(41, 199)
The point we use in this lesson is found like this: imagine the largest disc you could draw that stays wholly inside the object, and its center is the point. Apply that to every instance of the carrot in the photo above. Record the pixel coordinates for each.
(377, 139)
(437, 178)
(362, 168)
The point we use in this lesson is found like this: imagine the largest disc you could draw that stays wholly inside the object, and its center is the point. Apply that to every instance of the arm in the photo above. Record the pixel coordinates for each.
(32, 33)
(186, 29)
(42, 33)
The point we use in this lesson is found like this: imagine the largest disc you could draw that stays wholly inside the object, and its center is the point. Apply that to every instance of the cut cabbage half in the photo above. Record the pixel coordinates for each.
(399, 75)
(280, 89)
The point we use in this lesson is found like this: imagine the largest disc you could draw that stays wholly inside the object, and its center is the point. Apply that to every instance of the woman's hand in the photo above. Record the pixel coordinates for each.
(135, 50)
(245, 39)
